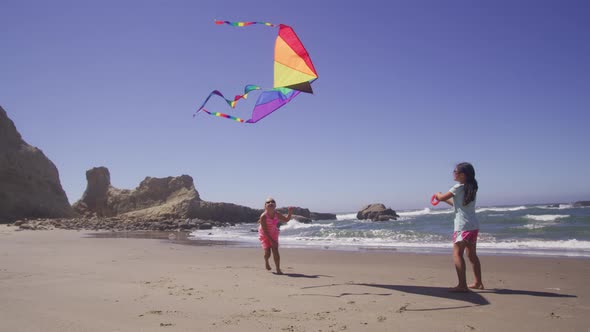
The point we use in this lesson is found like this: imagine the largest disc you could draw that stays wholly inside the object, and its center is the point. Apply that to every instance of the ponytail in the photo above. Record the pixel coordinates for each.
(470, 185)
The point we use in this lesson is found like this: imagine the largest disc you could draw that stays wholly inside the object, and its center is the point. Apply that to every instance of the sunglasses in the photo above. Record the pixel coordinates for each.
(270, 202)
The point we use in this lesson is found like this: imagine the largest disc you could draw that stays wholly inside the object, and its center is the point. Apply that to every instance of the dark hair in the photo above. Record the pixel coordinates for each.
(470, 185)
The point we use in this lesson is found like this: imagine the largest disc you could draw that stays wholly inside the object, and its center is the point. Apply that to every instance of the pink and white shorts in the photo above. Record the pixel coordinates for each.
(467, 236)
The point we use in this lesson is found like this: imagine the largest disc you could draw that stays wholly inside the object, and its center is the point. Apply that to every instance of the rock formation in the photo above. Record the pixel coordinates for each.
(160, 199)
(155, 199)
(299, 211)
(30, 186)
(94, 200)
(376, 212)
(225, 212)
(322, 216)
(304, 215)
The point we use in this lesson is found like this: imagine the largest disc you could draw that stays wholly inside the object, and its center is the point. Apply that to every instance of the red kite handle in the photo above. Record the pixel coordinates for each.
(434, 201)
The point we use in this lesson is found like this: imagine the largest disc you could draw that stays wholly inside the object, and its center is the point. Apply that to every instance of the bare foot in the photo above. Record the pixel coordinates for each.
(476, 286)
(279, 272)
(459, 290)
(268, 266)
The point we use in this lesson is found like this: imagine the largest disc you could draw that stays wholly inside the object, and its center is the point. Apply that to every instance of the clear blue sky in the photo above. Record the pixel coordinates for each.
(406, 90)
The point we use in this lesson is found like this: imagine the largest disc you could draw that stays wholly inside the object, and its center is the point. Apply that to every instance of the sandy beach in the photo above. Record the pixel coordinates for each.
(64, 281)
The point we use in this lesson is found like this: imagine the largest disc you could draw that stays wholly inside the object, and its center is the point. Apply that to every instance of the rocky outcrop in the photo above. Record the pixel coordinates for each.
(296, 211)
(377, 212)
(322, 216)
(30, 185)
(94, 200)
(299, 214)
(154, 198)
(304, 215)
(225, 212)
(118, 224)
(581, 203)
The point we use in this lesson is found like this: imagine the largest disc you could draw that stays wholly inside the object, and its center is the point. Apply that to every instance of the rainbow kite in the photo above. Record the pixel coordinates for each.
(293, 74)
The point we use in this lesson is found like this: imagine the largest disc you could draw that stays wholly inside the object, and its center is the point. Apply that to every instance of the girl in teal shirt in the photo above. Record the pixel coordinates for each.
(462, 197)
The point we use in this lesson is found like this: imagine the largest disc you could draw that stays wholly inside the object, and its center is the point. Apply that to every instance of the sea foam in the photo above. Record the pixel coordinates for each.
(347, 216)
(423, 212)
(546, 217)
(501, 209)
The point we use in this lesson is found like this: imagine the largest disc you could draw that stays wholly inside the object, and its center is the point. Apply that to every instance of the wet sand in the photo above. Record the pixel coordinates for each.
(70, 281)
(166, 237)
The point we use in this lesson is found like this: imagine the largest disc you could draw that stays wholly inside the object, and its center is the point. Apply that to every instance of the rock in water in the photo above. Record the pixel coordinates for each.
(377, 212)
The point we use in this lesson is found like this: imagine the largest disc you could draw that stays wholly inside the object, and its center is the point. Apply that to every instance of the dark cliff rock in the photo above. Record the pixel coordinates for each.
(296, 211)
(225, 212)
(322, 216)
(30, 185)
(304, 212)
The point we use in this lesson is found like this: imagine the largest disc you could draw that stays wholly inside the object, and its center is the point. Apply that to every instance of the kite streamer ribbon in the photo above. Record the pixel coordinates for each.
(243, 24)
(232, 103)
(223, 115)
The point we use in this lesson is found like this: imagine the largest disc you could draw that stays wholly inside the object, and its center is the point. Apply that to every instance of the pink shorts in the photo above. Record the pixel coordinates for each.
(266, 243)
(467, 236)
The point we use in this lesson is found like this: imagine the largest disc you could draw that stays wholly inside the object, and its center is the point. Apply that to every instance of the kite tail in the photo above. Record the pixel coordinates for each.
(232, 103)
(244, 24)
(227, 116)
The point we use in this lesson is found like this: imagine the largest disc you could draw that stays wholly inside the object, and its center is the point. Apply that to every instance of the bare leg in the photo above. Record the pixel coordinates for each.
(472, 254)
(266, 258)
(277, 258)
(458, 249)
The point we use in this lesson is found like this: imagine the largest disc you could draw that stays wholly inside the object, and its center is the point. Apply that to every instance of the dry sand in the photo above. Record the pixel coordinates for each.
(62, 281)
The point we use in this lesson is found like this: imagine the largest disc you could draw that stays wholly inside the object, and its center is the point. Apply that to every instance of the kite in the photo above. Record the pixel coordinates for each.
(293, 73)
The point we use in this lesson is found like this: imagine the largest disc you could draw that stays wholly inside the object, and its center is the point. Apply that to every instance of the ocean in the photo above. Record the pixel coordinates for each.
(529, 230)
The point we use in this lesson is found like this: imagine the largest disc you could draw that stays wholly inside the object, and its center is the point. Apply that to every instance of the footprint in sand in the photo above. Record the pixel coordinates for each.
(402, 308)
(161, 313)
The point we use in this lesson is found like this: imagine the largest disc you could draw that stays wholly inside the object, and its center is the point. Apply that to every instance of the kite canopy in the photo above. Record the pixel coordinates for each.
(293, 73)
(293, 67)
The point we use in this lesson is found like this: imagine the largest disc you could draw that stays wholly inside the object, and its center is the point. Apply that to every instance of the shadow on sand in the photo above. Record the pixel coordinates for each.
(299, 275)
(470, 299)
(503, 291)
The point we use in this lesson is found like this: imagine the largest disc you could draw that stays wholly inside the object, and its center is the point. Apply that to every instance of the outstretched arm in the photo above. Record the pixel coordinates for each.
(288, 217)
(446, 197)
